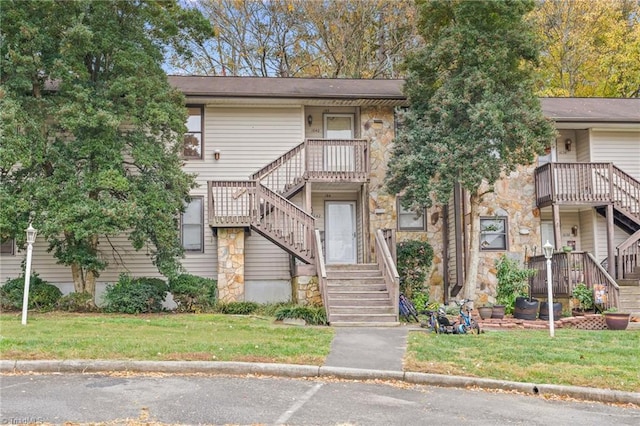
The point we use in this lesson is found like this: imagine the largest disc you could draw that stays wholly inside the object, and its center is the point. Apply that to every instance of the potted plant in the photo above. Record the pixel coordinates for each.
(584, 297)
(513, 286)
(616, 320)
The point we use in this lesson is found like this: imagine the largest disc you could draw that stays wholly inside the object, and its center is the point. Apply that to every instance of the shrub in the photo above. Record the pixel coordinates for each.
(42, 295)
(414, 261)
(237, 308)
(192, 293)
(584, 295)
(77, 302)
(513, 281)
(135, 295)
(314, 315)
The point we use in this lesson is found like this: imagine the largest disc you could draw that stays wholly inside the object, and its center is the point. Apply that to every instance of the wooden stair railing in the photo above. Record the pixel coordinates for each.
(284, 172)
(250, 204)
(569, 269)
(390, 274)
(321, 270)
(626, 194)
(628, 255)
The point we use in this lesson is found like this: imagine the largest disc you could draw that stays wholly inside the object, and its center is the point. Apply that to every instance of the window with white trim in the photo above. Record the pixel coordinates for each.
(192, 226)
(493, 233)
(411, 220)
(193, 146)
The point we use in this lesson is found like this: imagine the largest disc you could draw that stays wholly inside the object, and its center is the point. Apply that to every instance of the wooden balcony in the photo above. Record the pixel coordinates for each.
(593, 184)
(317, 160)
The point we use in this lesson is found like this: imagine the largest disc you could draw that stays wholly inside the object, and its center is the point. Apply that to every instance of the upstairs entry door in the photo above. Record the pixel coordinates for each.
(340, 232)
(341, 156)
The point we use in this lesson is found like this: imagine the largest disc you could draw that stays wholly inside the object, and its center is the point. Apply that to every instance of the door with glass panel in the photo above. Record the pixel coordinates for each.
(339, 156)
(340, 232)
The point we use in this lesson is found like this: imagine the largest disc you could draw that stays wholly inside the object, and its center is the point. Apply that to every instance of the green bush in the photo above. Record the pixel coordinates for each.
(414, 261)
(43, 296)
(513, 281)
(135, 295)
(237, 308)
(77, 302)
(192, 293)
(313, 315)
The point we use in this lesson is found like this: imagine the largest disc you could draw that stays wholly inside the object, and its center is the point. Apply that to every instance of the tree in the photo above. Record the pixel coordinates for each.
(91, 129)
(473, 116)
(590, 48)
(301, 38)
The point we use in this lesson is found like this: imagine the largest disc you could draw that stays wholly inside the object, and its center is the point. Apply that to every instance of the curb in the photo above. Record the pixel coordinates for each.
(300, 371)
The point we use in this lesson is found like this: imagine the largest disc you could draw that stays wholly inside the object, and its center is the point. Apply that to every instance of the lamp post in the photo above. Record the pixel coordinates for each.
(31, 238)
(547, 249)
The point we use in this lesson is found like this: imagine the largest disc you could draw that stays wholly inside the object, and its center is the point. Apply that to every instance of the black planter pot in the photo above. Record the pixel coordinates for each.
(544, 311)
(526, 309)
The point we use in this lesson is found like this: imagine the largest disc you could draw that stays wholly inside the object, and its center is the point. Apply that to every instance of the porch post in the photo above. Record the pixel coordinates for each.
(231, 264)
(611, 263)
(557, 233)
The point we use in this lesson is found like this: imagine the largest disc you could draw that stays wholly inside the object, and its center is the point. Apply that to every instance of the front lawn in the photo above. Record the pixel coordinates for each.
(601, 359)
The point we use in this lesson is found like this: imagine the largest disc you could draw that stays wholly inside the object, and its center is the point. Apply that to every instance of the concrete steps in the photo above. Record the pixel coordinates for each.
(358, 297)
(630, 296)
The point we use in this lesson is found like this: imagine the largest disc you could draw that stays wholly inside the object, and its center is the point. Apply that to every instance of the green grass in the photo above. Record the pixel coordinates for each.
(603, 359)
(203, 337)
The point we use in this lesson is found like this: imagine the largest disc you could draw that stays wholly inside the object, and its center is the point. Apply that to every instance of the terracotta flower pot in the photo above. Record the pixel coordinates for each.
(498, 311)
(616, 320)
(485, 312)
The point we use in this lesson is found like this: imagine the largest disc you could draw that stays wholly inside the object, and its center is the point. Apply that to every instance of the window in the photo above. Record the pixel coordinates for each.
(7, 246)
(411, 220)
(493, 233)
(193, 138)
(192, 226)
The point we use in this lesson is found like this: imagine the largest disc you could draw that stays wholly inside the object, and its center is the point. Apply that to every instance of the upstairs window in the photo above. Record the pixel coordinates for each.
(193, 137)
(493, 233)
(411, 220)
(192, 226)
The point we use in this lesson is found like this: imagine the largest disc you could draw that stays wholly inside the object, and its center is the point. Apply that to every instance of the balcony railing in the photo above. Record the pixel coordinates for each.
(337, 160)
(588, 183)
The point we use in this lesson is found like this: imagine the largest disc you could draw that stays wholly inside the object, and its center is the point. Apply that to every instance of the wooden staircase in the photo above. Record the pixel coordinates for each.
(630, 295)
(357, 296)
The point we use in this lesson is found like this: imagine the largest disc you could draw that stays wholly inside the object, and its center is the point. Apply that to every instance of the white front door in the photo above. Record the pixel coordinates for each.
(340, 232)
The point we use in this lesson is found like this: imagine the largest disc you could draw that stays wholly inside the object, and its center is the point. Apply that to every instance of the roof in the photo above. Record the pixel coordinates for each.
(603, 110)
(290, 88)
(386, 92)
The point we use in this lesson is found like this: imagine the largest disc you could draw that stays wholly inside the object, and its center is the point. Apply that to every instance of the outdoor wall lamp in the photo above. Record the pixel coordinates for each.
(567, 144)
(574, 230)
(310, 119)
(216, 154)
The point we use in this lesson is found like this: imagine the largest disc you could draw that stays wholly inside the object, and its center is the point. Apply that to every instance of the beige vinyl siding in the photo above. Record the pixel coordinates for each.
(619, 236)
(620, 148)
(587, 230)
(248, 139)
(562, 154)
(582, 146)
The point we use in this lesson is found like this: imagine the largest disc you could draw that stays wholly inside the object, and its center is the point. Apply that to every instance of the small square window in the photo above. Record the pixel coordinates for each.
(411, 220)
(192, 147)
(493, 233)
(7, 247)
(192, 226)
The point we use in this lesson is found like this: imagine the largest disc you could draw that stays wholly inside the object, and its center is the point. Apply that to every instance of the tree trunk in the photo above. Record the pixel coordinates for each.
(84, 281)
(470, 283)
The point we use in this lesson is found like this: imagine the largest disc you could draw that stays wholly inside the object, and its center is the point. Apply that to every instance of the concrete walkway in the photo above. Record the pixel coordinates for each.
(379, 348)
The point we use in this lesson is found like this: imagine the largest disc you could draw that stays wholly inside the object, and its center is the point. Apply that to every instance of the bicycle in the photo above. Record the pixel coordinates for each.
(466, 322)
(407, 310)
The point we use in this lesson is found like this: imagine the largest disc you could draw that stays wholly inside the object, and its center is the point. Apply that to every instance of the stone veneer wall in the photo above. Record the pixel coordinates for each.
(381, 135)
(306, 290)
(230, 264)
(514, 195)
